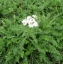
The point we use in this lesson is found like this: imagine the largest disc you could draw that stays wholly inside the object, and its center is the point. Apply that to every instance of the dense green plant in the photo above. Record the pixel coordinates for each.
(39, 45)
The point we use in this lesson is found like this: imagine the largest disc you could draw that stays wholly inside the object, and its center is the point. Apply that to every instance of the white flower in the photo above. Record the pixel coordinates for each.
(30, 21)
(24, 22)
(29, 17)
(35, 24)
(34, 16)
(30, 25)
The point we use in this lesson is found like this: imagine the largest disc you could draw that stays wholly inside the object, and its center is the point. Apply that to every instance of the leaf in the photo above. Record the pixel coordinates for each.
(1, 43)
(29, 49)
(50, 39)
(9, 56)
(17, 57)
(52, 49)
(2, 30)
(21, 53)
(25, 60)
(35, 43)
(21, 43)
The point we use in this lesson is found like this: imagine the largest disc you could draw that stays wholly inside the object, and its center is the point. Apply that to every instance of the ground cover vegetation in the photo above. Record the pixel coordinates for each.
(20, 44)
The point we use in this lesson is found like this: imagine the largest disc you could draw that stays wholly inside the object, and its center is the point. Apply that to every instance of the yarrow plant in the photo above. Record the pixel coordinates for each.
(30, 20)
(32, 39)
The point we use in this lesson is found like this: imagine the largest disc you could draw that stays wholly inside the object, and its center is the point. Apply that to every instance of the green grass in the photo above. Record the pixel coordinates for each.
(39, 45)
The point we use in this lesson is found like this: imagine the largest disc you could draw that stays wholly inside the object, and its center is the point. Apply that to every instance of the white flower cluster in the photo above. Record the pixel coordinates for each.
(30, 21)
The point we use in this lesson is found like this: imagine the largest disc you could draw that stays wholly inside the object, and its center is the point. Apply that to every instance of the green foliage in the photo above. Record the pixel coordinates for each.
(39, 45)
